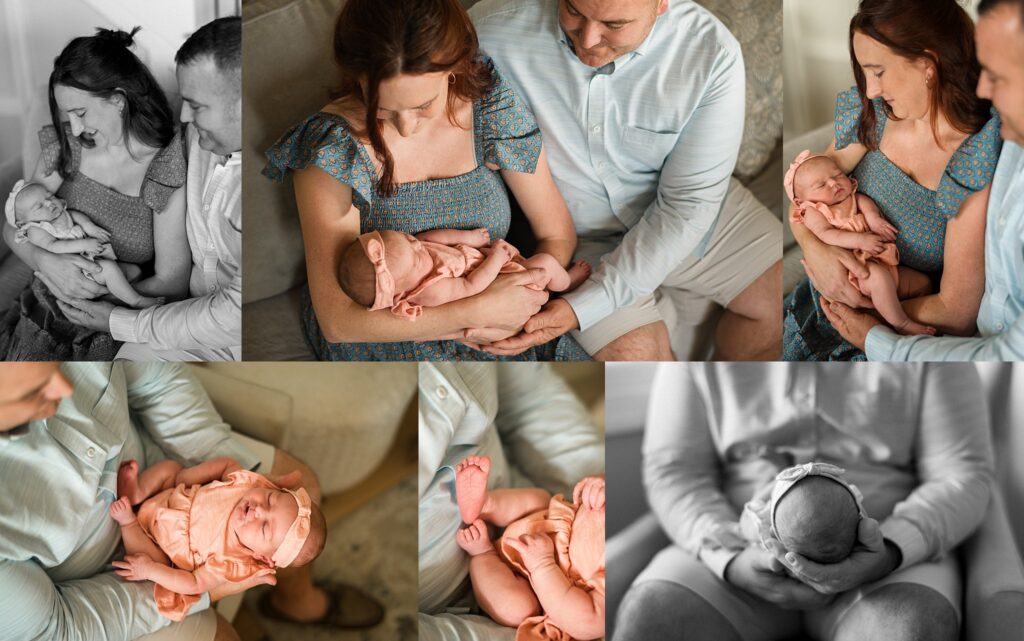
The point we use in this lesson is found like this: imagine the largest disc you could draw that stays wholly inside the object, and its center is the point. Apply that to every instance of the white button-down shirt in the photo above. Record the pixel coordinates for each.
(207, 326)
(641, 148)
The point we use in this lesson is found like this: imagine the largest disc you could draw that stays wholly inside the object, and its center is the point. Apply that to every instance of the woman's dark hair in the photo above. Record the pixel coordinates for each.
(375, 41)
(103, 66)
(942, 32)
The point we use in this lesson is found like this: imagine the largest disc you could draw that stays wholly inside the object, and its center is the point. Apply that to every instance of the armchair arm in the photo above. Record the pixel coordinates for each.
(994, 578)
(627, 554)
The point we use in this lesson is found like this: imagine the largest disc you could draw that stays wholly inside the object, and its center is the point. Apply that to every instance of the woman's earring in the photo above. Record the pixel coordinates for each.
(451, 78)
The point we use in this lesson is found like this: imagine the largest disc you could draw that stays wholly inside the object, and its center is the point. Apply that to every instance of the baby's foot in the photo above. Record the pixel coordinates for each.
(474, 539)
(128, 481)
(578, 272)
(121, 511)
(471, 486)
(913, 328)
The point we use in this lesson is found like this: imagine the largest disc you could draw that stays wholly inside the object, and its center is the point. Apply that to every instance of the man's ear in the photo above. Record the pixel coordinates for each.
(662, 6)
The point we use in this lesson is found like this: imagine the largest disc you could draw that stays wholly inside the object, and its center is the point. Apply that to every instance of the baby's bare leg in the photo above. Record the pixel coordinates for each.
(153, 480)
(913, 283)
(503, 594)
(559, 280)
(118, 284)
(882, 290)
(135, 540)
(502, 507)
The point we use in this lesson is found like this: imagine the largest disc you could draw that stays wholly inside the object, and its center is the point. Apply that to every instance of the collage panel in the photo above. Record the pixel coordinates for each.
(511, 501)
(823, 501)
(903, 130)
(120, 140)
(136, 494)
(512, 180)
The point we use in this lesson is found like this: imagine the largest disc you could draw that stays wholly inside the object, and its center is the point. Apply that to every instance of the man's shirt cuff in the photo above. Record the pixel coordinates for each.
(908, 538)
(880, 343)
(718, 559)
(122, 324)
(590, 303)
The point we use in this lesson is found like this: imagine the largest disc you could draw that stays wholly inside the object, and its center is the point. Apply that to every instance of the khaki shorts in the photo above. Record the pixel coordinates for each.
(757, 620)
(746, 242)
(202, 626)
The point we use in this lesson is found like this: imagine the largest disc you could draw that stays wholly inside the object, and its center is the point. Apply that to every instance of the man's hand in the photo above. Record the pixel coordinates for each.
(851, 324)
(134, 567)
(554, 319)
(94, 314)
(535, 550)
(870, 560)
(290, 481)
(589, 493)
(64, 276)
(758, 572)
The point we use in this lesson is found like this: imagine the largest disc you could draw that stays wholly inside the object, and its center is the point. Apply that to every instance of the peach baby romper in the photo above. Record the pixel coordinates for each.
(190, 524)
(579, 553)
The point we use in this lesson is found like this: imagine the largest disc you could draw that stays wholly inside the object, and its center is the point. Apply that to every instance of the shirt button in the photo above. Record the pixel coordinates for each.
(602, 164)
(597, 129)
(91, 452)
(442, 391)
(999, 326)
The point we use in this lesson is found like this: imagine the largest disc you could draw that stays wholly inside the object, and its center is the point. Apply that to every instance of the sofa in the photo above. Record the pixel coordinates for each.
(288, 71)
(992, 556)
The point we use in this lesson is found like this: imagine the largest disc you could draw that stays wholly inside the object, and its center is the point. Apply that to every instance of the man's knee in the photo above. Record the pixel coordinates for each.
(285, 462)
(665, 610)
(762, 299)
(646, 343)
(900, 612)
(225, 632)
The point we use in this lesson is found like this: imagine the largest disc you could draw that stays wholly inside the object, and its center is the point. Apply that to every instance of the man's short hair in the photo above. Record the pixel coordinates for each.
(220, 39)
(987, 5)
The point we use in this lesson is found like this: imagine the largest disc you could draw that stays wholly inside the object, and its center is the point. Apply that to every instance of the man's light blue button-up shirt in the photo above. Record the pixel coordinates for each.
(1001, 317)
(641, 148)
(59, 479)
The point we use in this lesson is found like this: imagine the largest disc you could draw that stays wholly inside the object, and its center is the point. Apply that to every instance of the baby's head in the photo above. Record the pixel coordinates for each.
(817, 179)
(380, 265)
(280, 527)
(816, 514)
(31, 202)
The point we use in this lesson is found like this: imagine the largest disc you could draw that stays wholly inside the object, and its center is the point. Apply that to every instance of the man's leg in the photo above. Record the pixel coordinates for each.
(750, 328)
(202, 626)
(634, 333)
(665, 610)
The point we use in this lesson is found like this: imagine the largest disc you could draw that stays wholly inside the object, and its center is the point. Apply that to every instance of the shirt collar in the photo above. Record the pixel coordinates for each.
(231, 160)
(13, 434)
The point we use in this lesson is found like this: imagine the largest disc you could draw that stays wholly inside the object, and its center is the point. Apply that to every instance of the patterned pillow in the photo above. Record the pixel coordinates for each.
(757, 25)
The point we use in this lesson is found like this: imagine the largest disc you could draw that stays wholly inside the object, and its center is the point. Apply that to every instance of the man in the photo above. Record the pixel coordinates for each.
(1000, 49)
(537, 434)
(64, 431)
(642, 107)
(208, 325)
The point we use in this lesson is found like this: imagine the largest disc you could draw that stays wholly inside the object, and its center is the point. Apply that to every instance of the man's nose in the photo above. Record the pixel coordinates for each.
(186, 113)
(590, 35)
(59, 386)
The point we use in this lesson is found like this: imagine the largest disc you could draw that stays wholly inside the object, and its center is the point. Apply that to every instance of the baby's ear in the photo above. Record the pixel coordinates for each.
(374, 249)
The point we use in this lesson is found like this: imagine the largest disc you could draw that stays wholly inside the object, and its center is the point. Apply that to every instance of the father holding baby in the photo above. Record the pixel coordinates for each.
(641, 103)
(208, 325)
(915, 440)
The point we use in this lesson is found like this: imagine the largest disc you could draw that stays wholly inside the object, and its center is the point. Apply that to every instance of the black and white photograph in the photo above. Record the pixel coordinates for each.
(120, 169)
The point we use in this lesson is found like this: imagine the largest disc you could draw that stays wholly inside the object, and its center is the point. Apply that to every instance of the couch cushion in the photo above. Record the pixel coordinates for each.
(272, 330)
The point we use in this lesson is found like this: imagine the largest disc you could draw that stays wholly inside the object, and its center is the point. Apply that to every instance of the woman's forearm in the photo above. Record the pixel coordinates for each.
(172, 287)
(949, 313)
(560, 248)
(573, 610)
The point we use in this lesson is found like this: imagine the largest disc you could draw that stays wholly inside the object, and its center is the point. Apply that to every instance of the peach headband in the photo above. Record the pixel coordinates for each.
(802, 157)
(373, 246)
(297, 534)
(11, 198)
(787, 478)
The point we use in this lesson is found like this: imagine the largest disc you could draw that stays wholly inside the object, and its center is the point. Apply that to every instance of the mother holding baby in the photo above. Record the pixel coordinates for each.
(112, 153)
(923, 147)
(415, 142)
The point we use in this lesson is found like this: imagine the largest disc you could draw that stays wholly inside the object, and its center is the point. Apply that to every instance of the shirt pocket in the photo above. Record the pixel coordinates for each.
(645, 150)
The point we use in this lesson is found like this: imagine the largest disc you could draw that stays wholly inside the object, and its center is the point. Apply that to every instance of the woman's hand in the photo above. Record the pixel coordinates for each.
(535, 550)
(851, 324)
(510, 301)
(64, 275)
(871, 559)
(134, 567)
(759, 573)
(555, 318)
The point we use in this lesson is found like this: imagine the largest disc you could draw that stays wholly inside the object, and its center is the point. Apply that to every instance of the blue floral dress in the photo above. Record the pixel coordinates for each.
(505, 134)
(919, 214)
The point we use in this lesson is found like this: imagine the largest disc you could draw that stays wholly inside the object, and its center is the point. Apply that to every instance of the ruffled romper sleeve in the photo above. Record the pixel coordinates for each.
(166, 173)
(323, 140)
(506, 129)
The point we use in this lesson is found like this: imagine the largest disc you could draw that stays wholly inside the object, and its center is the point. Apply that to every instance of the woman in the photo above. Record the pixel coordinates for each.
(414, 142)
(118, 159)
(923, 147)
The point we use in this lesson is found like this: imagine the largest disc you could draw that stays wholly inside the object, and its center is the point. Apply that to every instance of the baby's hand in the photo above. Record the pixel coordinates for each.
(485, 236)
(589, 493)
(134, 567)
(885, 230)
(871, 243)
(100, 234)
(535, 550)
(93, 246)
(502, 246)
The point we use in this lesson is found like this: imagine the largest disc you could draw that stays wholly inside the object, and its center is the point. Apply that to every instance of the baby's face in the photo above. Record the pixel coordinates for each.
(817, 518)
(262, 518)
(407, 259)
(820, 180)
(35, 204)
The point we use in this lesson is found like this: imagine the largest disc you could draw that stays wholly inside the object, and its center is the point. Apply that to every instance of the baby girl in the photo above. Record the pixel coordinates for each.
(44, 220)
(834, 212)
(810, 509)
(407, 273)
(203, 527)
(546, 576)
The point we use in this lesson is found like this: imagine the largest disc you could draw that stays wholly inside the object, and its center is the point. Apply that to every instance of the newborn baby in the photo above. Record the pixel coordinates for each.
(407, 273)
(810, 509)
(546, 576)
(837, 215)
(203, 527)
(42, 219)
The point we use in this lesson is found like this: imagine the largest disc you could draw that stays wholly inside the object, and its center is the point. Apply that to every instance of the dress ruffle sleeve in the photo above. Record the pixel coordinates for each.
(166, 173)
(322, 140)
(847, 119)
(970, 169)
(50, 148)
(508, 131)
